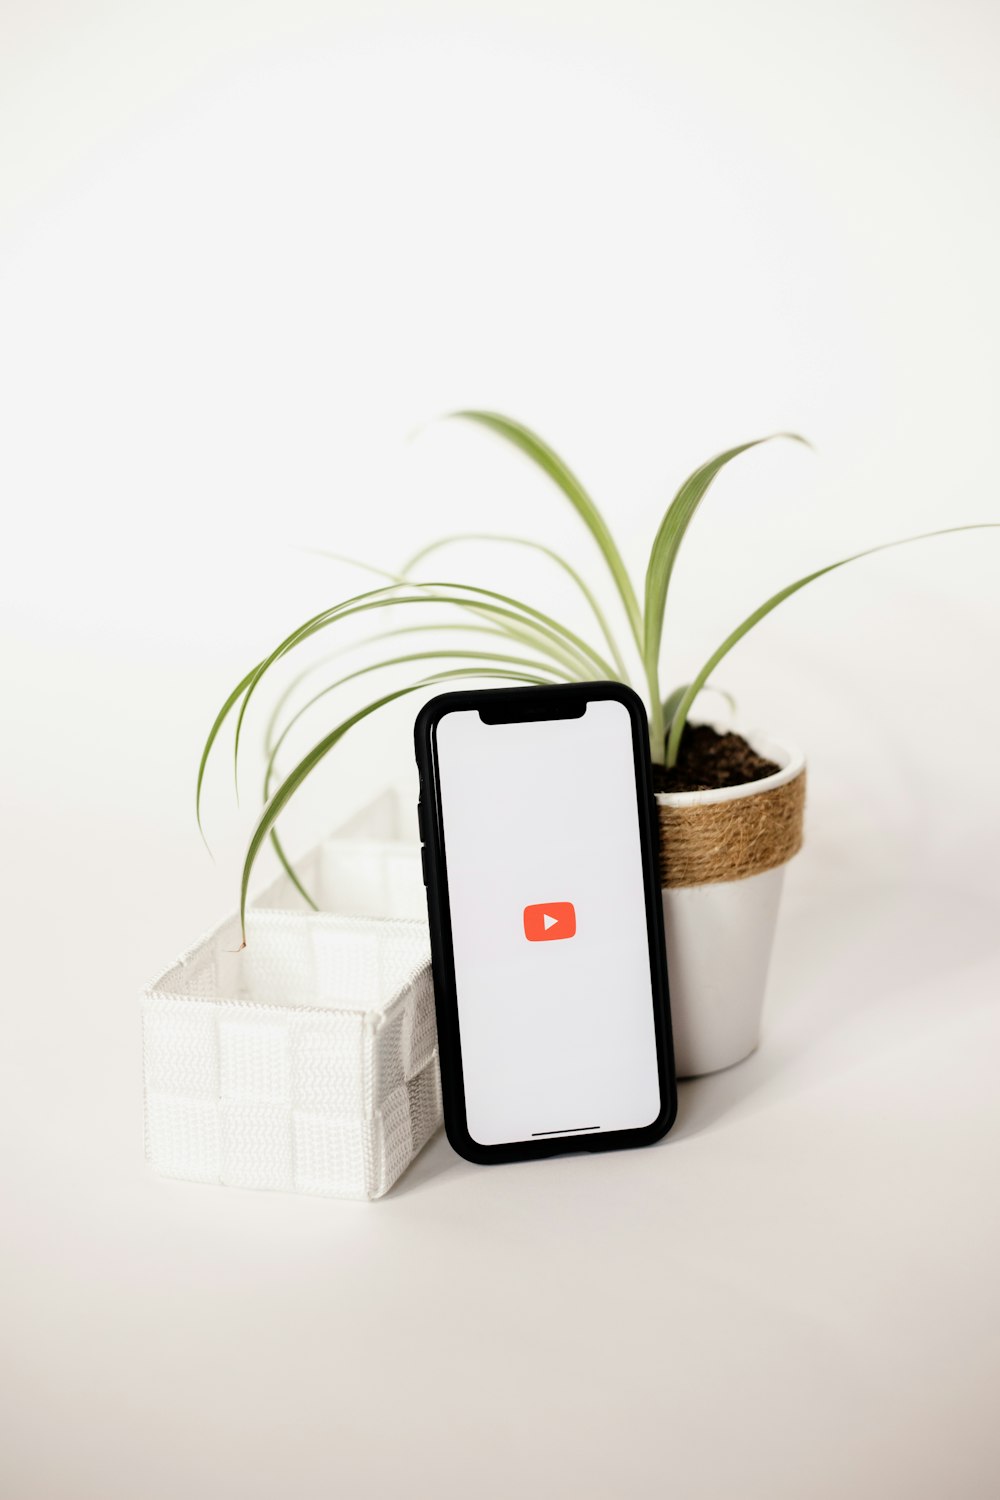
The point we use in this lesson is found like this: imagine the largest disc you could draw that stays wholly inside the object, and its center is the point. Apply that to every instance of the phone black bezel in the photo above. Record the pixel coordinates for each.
(521, 704)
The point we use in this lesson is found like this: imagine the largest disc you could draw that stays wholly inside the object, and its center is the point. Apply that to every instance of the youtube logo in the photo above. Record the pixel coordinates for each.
(549, 920)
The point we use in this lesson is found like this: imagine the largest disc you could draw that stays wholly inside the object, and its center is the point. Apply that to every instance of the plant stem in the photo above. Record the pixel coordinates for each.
(657, 732)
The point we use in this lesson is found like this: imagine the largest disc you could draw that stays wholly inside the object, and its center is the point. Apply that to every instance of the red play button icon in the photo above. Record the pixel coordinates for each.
(549, 920)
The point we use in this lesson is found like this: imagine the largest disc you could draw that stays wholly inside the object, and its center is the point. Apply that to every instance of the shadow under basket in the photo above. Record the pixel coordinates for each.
(307, 1062)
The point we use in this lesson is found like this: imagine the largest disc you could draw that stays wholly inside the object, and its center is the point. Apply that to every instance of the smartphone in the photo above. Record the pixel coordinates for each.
(540, 861)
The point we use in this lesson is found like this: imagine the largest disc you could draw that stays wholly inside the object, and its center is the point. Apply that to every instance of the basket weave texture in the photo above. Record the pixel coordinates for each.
(308, 1061)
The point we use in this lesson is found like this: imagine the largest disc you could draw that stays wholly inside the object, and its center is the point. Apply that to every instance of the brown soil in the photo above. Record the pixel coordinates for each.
(709, 760)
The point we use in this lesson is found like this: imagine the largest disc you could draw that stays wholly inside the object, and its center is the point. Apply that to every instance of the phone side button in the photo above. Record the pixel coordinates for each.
(421, 821)
(423, 862)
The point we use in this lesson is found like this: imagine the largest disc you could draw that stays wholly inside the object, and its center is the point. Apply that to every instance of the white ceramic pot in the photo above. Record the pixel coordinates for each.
(719, 938)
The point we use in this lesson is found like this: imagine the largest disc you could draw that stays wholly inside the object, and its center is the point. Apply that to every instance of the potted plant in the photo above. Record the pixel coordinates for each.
(731, 806)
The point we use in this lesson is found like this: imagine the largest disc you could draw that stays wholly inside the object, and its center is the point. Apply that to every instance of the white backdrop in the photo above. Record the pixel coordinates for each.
(246, 251)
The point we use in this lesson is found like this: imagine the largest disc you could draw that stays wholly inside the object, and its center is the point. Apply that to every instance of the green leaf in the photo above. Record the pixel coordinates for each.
(213, 735)
(683, 707)
(392, 661)
(520, 541)
(290, 870)
(549, 461)
(430, 628)
(511, 608)
(671, 703)
(309, 762)
(353, 562)
(539, 644)
(576, 665)
(666, 545)
(273, 749)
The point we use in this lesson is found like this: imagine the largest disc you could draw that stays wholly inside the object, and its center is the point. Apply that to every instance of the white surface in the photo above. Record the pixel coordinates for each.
(245, 249)
(558, 1035)
(809, 1260)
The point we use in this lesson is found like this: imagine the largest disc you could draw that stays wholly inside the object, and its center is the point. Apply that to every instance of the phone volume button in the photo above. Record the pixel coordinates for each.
(423, 862)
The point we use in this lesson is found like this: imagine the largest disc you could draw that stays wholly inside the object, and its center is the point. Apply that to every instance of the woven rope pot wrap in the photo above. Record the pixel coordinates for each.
(707, 842)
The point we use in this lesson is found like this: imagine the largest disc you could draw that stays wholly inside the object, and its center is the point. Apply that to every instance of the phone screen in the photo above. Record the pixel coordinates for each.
(548, 918)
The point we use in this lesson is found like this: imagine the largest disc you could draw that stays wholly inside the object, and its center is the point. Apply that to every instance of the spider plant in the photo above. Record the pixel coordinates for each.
(514, 627)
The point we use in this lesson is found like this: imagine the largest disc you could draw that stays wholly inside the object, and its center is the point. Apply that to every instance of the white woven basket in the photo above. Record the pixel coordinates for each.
(308, 1061)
